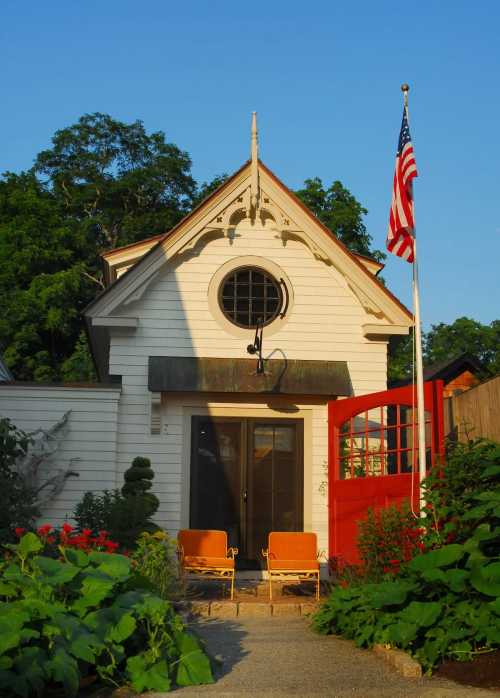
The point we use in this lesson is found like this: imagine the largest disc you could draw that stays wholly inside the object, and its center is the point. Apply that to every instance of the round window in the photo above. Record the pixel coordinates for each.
(250, 296)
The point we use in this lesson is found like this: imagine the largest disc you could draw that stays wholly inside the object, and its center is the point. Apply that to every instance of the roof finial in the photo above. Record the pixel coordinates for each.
(254, 180)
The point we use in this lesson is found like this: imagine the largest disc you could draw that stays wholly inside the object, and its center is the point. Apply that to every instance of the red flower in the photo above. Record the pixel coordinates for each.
(86, 532)
(44, 530)
(110, 546)
(19, 532)
(421, 546)
(67, 528)
(51, 540)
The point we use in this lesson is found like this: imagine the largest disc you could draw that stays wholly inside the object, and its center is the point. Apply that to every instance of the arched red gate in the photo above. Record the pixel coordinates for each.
(373, 456)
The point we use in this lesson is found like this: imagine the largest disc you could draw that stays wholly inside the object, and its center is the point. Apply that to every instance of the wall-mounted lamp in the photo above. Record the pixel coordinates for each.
(256, 347)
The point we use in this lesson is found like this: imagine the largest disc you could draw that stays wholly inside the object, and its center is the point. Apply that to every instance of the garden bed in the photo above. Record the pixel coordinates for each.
(483, 671)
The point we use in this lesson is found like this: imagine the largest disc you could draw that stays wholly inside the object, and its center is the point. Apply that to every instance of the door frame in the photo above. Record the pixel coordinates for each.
(246, 460)
(304, 413)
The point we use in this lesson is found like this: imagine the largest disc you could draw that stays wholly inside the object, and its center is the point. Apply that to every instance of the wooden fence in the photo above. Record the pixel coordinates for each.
(474, 413)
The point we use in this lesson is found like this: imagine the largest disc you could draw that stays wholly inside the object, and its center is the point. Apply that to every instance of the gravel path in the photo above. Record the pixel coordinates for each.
(283, 657)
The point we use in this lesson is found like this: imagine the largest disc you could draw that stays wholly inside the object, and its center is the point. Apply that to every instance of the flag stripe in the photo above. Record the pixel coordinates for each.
(401, 219)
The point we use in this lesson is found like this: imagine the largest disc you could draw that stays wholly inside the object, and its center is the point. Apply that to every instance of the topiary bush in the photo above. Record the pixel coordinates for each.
(126, 514)
(82, 616)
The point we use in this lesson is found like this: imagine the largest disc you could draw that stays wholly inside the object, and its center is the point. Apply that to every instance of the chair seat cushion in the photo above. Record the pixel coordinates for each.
(299, 565)
(208, 562)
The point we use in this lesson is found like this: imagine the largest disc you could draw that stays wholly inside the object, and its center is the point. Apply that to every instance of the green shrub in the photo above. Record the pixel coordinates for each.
(62, 619)
(17, 502)
(126, 514)
(387, 538)
(463, 492)
(444, 602)
(155, 559)
(94, 512)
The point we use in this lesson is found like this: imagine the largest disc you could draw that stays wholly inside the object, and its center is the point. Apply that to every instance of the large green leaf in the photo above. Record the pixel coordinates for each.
(30, 663)
(402, 633)
(95, 587)
(389, 594)
(144, 676)
(442, 557)
(115, 566)
(194, 666)
(77, 557)
(123, 629)
(421, 613)
(56, 572)
(486, 579)
(8, 638)
(457, 579)
(29, 543)
(7, 589)
(490, 471)
(64, 669)
(13, 683)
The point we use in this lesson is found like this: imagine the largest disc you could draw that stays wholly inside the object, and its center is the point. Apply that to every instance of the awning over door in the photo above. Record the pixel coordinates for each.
(281, 377)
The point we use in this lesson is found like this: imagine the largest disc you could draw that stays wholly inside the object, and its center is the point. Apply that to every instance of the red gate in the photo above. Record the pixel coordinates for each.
(373, 456)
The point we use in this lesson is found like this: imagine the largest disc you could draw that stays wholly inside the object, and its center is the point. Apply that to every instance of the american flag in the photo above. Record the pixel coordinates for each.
(401, 221)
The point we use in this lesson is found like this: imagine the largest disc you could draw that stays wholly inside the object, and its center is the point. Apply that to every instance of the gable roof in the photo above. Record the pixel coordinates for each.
(159, 240)
(447, 370)
(389, 315)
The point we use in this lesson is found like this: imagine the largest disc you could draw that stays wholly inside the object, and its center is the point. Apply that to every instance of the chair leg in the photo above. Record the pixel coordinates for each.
(232, 586)
(270, 587)
(317, 588)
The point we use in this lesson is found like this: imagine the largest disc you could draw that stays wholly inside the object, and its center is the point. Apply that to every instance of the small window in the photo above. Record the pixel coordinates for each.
(250, 296)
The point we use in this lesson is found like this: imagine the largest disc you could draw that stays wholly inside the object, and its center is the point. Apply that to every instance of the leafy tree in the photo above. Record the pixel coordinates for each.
(444, 342)
(339, 211)
(122, 184)
(105, 183)
(207, 188)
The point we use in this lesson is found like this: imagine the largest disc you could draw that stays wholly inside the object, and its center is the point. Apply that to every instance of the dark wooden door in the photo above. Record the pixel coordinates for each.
(247, 479)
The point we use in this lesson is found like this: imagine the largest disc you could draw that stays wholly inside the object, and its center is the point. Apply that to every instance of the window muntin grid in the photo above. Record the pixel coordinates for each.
(381, 441)
(249, 296)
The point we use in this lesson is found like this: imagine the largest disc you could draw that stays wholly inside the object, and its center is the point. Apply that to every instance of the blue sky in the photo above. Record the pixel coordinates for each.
(325, 80)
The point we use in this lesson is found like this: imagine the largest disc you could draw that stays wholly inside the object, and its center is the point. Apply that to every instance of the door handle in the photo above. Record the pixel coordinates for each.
(244, 494)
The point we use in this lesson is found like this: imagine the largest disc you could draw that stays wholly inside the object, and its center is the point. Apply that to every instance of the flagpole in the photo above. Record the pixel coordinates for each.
(422, 471)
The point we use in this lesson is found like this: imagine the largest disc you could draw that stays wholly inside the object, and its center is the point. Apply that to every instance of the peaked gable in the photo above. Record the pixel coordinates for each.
(217, 214)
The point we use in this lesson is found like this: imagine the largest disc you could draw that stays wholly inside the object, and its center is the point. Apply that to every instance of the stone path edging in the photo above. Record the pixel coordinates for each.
(401, 661)
(247, 609)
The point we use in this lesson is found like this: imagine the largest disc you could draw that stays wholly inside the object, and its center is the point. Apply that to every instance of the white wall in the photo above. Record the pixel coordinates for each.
(324, 323)
(89, 436)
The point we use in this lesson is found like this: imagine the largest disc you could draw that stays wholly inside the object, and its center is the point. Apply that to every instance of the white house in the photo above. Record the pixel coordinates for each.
(236, 441)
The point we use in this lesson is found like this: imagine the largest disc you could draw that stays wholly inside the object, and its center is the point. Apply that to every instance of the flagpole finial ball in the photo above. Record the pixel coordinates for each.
(405, 87)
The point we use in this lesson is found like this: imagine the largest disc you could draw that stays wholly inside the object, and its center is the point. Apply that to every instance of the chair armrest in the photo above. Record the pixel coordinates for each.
(232, 552)
(180, 552)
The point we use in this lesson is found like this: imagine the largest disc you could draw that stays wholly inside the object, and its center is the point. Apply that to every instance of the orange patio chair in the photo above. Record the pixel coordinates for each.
(205, 553)
(292, 555)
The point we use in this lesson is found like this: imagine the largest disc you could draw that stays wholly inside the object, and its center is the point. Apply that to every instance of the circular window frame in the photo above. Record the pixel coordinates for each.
(277, 285)
(231, 266)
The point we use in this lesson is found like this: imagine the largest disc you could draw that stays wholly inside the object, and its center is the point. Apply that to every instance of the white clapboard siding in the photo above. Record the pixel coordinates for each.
(174, 319)
(88, 440)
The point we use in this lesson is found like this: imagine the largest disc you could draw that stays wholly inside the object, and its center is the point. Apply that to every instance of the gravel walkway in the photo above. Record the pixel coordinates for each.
(283, 657)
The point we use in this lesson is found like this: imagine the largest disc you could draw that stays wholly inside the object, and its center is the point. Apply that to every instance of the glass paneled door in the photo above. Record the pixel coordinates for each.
(247, 479)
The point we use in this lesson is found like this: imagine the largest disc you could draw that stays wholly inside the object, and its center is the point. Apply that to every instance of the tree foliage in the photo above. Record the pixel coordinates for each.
(339, 211)
(443, 342)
